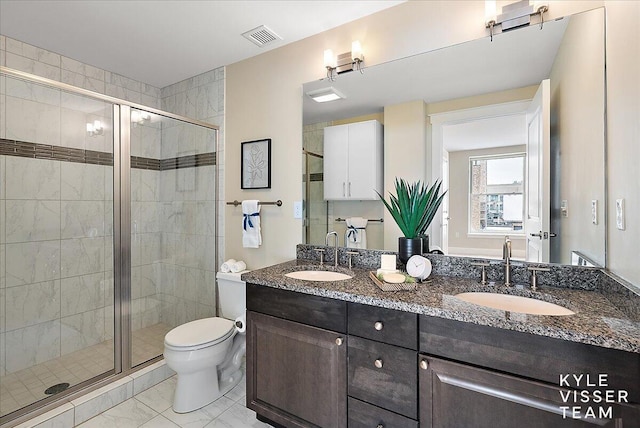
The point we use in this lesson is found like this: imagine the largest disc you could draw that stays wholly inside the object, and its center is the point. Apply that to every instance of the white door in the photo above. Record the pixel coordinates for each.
(537, 207)
(336, 141)
(445, 202)
(361, 180)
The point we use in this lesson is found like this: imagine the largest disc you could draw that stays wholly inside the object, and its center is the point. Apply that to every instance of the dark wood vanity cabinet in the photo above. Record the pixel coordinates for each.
(320, 362)
(382, 374)
(503, 378)
(296, 366)
(459, 395)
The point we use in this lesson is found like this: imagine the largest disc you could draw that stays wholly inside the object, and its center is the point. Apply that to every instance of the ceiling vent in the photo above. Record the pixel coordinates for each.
(261, 36)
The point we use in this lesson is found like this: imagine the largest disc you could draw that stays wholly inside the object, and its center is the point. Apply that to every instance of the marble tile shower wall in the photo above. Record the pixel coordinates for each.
(173, 230)
(56, 229)
(201, 97)
(31, 59)
(313, 141)
(187, 219)
(56, 277)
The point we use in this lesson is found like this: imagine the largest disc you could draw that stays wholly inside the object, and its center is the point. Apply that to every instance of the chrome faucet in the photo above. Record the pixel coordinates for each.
(506, 255)
(335, 246)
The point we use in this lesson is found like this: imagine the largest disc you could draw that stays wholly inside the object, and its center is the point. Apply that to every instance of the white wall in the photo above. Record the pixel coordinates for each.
(577, 126)
(623, 135)
(405, 155)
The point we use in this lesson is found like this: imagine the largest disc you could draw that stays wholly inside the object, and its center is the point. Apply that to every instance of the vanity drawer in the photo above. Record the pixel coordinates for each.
(364, 415)
(307, 309)
(384, 325)
(383, 375)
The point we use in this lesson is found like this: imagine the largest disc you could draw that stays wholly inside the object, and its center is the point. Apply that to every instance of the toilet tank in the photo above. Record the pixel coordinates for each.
(231, 294)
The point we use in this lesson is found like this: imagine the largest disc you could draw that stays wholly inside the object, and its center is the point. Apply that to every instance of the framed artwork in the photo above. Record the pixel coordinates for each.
(255, 164)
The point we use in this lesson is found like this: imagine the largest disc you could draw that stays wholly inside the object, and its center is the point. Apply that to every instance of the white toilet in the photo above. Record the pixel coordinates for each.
(207, 353)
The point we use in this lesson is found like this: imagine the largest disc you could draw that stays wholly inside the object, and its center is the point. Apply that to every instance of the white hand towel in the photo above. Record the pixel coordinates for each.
(238, 266)
(356, 235)
(251, 237)
(226, 266)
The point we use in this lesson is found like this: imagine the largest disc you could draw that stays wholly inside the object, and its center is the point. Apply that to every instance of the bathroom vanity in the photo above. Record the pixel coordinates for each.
(344, 353)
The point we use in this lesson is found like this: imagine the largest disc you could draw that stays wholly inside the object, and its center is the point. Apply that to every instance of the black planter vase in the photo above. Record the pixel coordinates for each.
(408, 247)
(425, 243)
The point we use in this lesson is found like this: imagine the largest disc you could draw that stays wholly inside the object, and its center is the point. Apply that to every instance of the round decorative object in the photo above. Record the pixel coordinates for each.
(393, 278)
(407, 247)
(419, 267)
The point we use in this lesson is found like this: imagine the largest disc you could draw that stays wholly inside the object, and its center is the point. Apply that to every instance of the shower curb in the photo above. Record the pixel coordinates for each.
(82, 409)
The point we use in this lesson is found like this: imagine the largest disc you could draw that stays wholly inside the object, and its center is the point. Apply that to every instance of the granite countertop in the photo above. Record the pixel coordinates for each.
(596, 320)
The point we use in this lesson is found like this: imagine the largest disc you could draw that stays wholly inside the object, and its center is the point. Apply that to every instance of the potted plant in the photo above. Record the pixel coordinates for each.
(413, 207)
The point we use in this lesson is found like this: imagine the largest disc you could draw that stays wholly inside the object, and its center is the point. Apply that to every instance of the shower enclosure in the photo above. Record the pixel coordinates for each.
(315, 222)
(107, 236)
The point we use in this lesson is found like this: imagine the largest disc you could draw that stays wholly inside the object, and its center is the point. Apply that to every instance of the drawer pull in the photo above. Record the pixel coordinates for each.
(339, 341)
(378, 325)
(424, 364)
(378, 363)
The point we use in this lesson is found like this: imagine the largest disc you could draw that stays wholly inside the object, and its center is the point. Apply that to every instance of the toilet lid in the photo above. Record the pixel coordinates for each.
(200, 332)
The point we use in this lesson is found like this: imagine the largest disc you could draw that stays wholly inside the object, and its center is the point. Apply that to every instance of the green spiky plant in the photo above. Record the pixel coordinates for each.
(414, 206)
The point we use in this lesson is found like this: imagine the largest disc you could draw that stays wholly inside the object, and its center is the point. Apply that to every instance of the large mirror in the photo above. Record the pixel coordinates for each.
(477, 99)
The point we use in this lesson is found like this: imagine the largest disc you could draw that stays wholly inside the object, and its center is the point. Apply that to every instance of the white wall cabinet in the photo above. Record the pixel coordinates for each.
(353, 161)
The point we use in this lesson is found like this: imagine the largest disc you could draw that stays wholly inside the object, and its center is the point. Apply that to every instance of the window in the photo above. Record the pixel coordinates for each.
(496, 193)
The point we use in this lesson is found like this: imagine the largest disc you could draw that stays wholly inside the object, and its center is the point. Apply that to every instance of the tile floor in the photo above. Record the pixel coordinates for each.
(27, 386)
(152, 409)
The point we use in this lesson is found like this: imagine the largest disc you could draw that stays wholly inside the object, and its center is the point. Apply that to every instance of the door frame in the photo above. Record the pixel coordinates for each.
(438, 122)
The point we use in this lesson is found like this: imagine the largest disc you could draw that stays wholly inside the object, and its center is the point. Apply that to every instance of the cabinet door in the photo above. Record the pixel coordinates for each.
(363, 155)
(296, 374)
(456, 395)
(336, 142)
(383, 375)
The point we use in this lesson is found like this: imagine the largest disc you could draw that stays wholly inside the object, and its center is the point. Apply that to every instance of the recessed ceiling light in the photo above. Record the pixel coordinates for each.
(326, 94)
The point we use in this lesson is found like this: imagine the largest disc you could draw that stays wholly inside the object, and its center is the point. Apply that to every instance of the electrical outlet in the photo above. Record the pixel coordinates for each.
(297, 209)
(564, 208)
(620, 214)
(594, 211)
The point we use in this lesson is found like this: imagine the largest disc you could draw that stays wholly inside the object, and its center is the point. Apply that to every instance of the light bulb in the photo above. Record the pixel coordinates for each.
(356, 50)
(329, 58)
(489, 11)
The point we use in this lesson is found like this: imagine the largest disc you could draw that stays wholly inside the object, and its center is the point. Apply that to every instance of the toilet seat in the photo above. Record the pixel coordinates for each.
(199, 334)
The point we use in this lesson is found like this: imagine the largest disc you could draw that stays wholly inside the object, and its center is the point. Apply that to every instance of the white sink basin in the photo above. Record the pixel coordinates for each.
(507, 302)
(318, 275)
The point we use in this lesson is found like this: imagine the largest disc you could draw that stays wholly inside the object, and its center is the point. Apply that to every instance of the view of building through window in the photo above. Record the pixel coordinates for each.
(496, 190)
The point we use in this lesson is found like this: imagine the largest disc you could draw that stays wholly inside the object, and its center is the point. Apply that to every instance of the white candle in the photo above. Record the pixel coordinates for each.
(388, 262)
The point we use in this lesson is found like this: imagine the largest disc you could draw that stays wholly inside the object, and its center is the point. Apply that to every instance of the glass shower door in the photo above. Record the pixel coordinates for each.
(173, 252)
(56, 241)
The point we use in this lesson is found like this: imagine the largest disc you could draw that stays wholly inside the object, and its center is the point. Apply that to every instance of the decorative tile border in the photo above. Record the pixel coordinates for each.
(190, 161)
(138, 162)
(315, 176)
(44, 151)
(68, 154)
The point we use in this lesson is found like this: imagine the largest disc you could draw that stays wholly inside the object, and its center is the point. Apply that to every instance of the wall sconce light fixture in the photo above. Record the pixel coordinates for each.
(94, 128)
(513, 15)
(345, 62)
